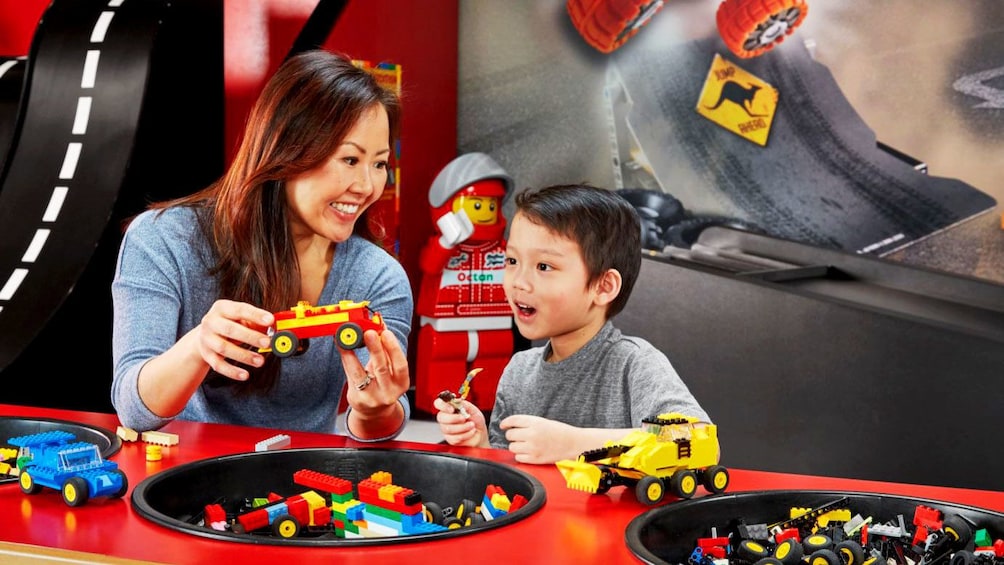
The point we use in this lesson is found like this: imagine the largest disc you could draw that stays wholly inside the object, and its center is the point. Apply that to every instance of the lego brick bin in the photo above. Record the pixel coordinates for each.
(669, 534)
(177, 498)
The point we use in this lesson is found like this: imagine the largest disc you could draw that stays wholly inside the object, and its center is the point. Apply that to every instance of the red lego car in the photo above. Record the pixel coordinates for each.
(346, 321)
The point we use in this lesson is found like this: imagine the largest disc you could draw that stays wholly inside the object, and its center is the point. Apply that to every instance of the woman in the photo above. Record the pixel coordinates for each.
(199, 278)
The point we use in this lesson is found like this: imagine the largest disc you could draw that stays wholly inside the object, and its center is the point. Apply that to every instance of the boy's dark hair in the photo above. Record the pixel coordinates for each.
(602, 222)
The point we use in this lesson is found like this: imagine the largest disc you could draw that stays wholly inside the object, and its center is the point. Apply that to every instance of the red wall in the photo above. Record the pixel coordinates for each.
(420, 35)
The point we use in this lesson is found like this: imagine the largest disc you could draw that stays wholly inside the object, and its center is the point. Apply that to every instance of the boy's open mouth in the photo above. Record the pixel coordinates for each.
(524, 309)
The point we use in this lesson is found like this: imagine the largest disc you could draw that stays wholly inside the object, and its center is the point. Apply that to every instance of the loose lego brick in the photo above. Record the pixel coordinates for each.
(127, 434)
(276, 442)
(160, 438)
(322, 482)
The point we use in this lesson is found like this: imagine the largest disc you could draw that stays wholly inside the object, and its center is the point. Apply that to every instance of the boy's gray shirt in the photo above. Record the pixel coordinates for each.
(162, 289)
(611, 382)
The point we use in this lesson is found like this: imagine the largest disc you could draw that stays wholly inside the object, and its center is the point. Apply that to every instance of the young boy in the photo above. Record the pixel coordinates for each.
(572, 257)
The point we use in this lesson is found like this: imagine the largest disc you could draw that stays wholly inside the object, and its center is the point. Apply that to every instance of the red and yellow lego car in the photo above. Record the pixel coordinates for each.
(346, 321)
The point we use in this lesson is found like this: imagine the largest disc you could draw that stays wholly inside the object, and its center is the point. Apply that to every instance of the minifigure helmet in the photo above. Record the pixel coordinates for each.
(464, 171)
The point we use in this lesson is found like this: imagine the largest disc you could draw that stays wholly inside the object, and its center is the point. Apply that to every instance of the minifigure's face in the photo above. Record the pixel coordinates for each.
(547, 284)
(482, 210)
(326, 201)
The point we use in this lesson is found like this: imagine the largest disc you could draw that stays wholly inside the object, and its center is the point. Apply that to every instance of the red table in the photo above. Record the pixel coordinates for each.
(572, 527)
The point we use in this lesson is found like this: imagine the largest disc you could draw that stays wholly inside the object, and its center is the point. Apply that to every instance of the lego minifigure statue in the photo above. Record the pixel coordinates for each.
(464, 320)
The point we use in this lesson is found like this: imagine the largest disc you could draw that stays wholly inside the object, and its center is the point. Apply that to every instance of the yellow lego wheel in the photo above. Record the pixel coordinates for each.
(27, 483)
(716, 479)
(286, 526)
(75, 492)
(684, 483)
(285, 343)
(650, 490)
(349, 336)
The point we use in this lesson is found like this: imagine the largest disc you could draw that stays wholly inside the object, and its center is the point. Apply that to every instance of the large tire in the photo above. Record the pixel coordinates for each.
(286, 526)
(815, 542)
(752, 27)
(27, 482)
(752, 551)
(823, 557)
(789, 552)
(715, 479)
(349, 335)
(650, 490)
(958, 530)
(607, 24)
(433, 513)
(850, 552)
(684, 483)
(285, 344)
(75, 492)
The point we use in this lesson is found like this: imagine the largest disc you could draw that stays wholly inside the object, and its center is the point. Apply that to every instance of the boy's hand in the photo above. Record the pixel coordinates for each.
(458, 429)
(538, 440)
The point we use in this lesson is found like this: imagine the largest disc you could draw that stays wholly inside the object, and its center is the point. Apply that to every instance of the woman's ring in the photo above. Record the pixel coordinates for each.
(365, 383)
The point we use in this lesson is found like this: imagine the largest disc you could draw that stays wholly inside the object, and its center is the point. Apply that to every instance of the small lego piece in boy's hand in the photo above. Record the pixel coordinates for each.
(455, 400)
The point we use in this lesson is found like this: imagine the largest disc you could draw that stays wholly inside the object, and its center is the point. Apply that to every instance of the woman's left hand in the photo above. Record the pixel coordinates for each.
(374, 390)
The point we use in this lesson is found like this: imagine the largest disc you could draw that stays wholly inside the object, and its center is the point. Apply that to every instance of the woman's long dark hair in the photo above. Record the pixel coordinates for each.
(302, 115)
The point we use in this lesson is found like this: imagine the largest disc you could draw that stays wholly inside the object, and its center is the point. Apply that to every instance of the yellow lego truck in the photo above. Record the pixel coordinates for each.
(671, 447)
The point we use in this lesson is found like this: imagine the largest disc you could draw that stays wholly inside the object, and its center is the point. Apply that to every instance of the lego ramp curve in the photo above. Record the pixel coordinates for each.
(72, 147)
(106, 88)
(822, 177)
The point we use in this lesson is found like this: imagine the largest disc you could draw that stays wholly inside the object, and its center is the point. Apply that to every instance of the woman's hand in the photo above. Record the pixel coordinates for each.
(373, 391)
(233, 332)
(168, 380)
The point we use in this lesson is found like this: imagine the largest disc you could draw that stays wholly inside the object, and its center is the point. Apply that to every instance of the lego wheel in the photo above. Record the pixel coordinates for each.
(850, 552)
(753, 27)
(285, 526)
(27, 482)
(752, 551)
(285, 343)
(715, 479)
(607, 24)
(122, 489)
(465, 510)
(684, 483)
(433, 513)
(75, 492)
(650, 490)
(824, 557)
(349, 335)
(957, 529)
(815, 542)
(789, 552)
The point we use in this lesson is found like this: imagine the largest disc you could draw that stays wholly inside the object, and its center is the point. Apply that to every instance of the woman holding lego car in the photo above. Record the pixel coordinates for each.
(199, 279)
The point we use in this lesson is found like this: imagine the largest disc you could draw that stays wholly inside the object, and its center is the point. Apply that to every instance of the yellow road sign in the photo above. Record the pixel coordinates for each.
(738, 101)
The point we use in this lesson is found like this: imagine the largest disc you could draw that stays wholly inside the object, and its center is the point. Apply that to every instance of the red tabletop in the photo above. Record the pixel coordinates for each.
(572, 527)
